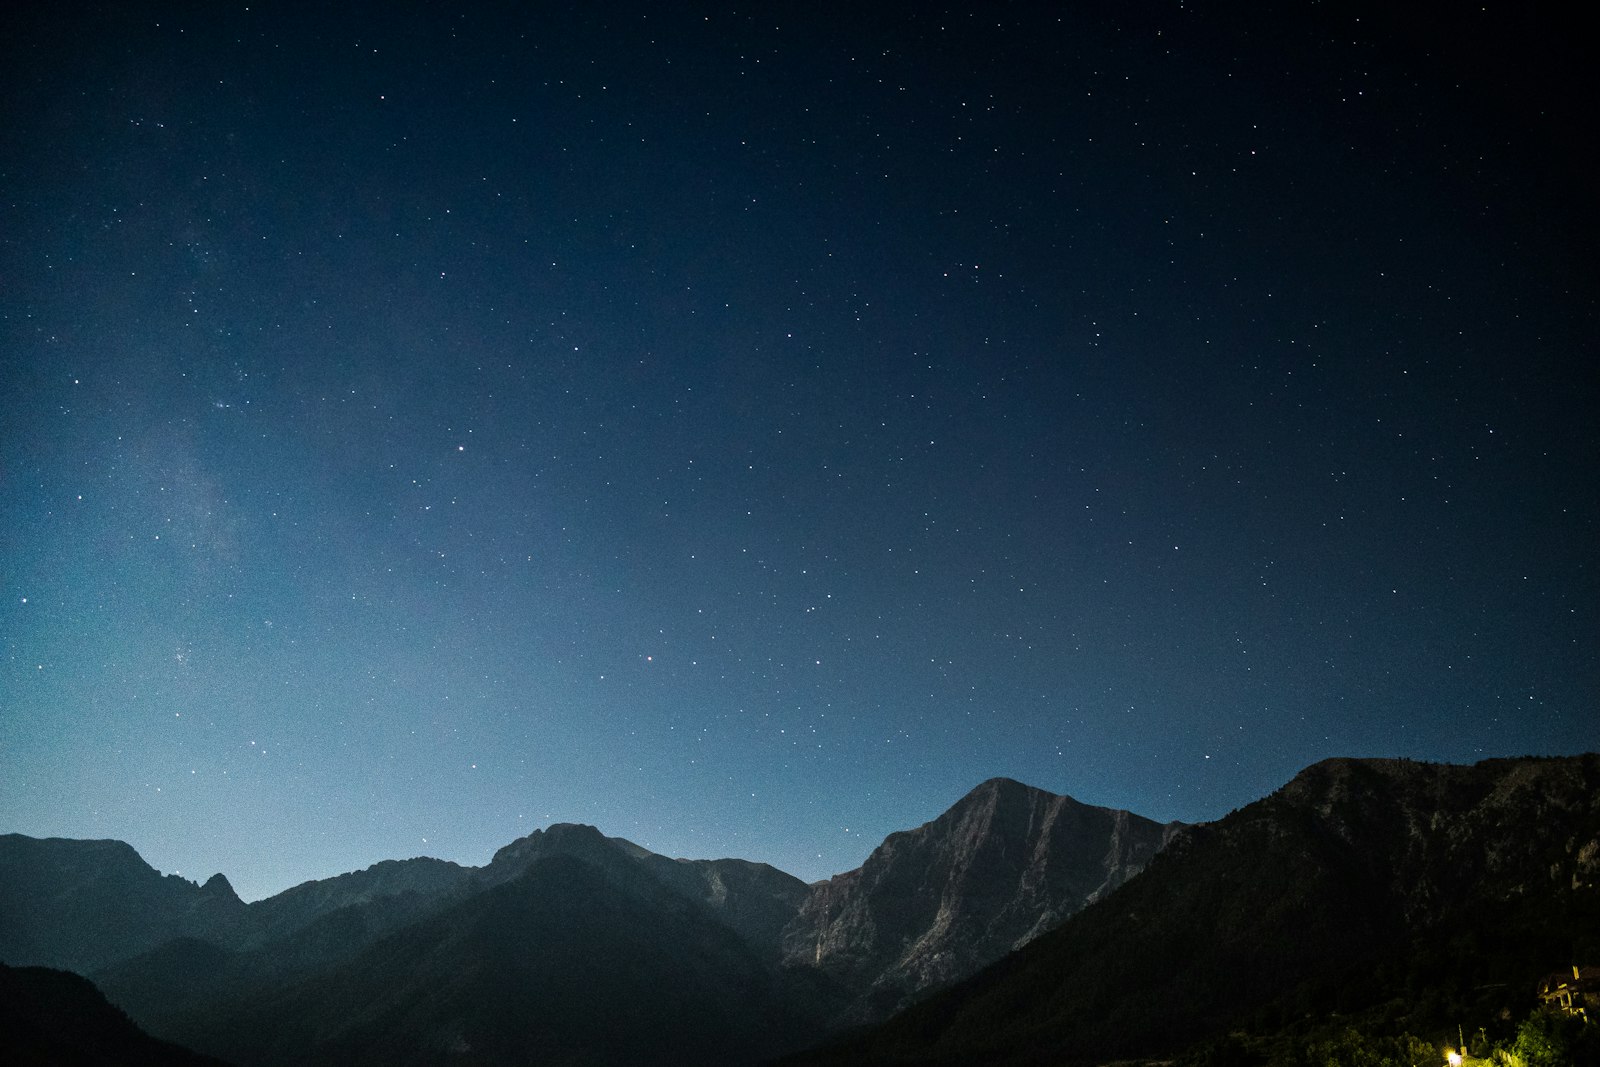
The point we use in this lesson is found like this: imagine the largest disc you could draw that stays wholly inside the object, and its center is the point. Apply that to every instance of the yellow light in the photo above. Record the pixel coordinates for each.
(1454, 1058)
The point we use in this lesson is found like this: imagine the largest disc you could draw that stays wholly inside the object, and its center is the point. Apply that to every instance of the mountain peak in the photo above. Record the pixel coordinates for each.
(218, 885)
(1004, 863)
(1008, 789)
(1002, 785)
(573, 830)
(562, 838)
(1000, 781)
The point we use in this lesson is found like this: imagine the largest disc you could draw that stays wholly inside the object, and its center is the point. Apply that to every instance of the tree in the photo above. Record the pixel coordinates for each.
(1543, 1040)
(1354, 1049)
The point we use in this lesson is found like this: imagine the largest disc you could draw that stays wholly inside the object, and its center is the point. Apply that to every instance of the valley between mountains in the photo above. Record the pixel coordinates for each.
(1019, 926)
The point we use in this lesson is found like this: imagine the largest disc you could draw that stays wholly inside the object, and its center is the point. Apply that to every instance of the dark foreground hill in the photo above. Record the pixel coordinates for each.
(1418, 890)
(52, 1018)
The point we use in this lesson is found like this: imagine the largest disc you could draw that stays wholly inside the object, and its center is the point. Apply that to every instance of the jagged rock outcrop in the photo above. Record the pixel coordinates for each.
(931, 905)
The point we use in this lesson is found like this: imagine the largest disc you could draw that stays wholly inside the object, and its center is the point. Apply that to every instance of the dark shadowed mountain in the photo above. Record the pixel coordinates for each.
(188, 976)
(573, 961)
(80, 905)
(414, 884)
(754, 900)
(1362, 883)
(162, 944)
(932, 905)
(51, 1018)
(213, 994)
(296, 933)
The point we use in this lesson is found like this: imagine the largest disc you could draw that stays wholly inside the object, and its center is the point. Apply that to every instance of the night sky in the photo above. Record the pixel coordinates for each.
(747, 429)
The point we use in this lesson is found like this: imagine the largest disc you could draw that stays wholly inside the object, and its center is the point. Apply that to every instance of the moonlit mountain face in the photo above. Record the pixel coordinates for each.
(932, 905)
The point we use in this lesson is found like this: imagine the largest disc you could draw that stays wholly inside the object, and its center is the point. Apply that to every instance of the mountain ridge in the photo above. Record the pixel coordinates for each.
(534, 946)
(1018, 925)
(1430, 891)
(985, 875)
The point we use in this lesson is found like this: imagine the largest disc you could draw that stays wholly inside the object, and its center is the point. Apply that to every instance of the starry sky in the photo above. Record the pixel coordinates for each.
(745, 429)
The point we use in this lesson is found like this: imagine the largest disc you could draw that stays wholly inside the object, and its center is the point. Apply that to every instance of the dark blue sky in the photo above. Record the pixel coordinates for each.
(747, 432)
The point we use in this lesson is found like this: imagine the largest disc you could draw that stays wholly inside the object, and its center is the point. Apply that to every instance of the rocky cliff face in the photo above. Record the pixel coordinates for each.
(934, 904)
(1382, 885)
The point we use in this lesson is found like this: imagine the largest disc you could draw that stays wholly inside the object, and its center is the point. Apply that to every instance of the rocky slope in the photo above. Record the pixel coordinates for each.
(932, 905)
(1426, 890)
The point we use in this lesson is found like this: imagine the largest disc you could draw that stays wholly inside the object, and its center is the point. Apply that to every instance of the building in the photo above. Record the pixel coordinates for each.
(1573, 994)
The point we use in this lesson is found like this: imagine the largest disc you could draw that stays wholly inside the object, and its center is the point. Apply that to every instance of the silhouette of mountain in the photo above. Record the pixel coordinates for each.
(1360, 882)
(188, 977)
(421, 881)
(182, 987)
(572, 961)
(80, 905)
(753, 899)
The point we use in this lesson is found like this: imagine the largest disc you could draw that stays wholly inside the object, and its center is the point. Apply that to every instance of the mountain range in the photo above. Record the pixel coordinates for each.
(1019, 926)
(750, 959)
